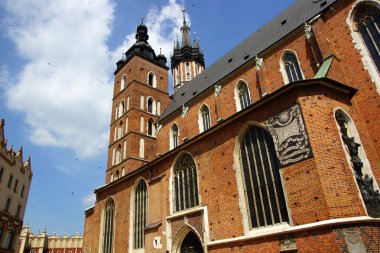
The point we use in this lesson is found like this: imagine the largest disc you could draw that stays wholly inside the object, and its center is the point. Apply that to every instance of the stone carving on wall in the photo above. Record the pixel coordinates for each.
(354, 242)
(371, 197)
(289, 136)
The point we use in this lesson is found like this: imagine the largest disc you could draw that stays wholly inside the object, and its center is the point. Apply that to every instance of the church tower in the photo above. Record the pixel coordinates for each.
(140, 94)
(187, 60)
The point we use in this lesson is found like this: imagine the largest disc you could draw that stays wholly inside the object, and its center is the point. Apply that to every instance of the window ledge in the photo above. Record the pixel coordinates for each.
(186, 212)
(283, 229)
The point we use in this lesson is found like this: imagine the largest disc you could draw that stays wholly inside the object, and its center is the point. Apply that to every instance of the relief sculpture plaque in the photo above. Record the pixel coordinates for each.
(289, 135)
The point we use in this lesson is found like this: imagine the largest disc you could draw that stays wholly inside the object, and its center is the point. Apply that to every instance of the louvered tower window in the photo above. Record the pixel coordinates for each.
(243, 94)
(367, 21)
(185, 183)
(292, 67)
(264, 193)
(140, 214)
(108, 226)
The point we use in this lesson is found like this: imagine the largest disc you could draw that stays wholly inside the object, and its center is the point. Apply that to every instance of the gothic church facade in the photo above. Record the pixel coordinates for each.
(273, 148)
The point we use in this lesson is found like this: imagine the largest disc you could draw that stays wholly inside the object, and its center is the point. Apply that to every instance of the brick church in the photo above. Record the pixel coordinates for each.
(273, 148)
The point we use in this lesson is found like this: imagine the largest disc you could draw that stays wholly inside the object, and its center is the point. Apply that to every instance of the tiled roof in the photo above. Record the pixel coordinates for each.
(290, 19)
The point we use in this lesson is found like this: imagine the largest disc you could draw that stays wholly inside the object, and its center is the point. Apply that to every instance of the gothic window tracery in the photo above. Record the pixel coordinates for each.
(242, 95)
(264, 194)
(204, 120)
(292, 67)
(367, 22)
(140, 214)
(185, 184)
(108, 227)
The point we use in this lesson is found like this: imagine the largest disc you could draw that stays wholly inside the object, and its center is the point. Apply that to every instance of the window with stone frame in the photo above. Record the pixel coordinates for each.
(140, 214)
(262, 182)
(185, 183)
(205, 119)
(174, 136)
(243, 95)
(150, 105)
(292, 67)
(123, 82)
(152, 79)
(108, 227)
(367, 23)
(151, 128)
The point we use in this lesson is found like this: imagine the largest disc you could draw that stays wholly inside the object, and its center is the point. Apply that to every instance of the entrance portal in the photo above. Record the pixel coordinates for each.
(191, 244)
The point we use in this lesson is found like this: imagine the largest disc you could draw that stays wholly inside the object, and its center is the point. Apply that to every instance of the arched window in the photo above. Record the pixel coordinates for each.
(111, 177)
(140, 214)
(367, 22)
(123, 82)
(151, 127)
(118, 155)
(123, 172)
(142, 102)
(204, 118)
(127, 103)
(292, 67)
(174, 136)
(264, 193)
(151, 105)
(242, 95)
(141, 148)
(117, 175)
(120, 130)
(185, 183)
(115, 133)
(126, 125)
(121, 108)
(358, 161)
(108, 227)
(152, 79)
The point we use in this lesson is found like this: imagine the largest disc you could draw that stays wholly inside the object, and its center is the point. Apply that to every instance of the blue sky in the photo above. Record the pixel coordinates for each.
(56, 76)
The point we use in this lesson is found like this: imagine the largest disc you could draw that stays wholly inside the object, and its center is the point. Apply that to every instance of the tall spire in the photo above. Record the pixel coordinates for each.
(185, 29)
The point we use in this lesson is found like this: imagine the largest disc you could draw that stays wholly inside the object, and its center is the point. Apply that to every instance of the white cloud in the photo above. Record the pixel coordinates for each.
(89, 200)
(65, 87)
(163, 27)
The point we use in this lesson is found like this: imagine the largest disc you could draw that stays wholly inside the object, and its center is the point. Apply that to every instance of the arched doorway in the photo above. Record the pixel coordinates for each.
(191, 244)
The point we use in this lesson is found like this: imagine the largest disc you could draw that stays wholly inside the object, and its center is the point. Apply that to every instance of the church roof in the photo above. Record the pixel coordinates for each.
(283, 24)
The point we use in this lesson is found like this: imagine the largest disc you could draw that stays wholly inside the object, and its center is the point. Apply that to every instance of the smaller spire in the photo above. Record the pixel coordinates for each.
(142, 20)
(185, 32)
(184, 16)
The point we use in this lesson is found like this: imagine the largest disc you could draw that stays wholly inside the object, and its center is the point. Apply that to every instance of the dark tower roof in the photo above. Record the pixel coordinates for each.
(186, 51)
(141, 48)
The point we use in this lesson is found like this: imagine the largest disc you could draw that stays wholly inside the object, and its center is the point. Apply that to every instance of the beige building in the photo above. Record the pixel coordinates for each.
(43, 243)
(15, 179)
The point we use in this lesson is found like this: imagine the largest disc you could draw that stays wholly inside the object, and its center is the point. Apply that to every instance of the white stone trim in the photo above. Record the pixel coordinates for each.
(300, 228)
(154, 84)
(358, 43)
